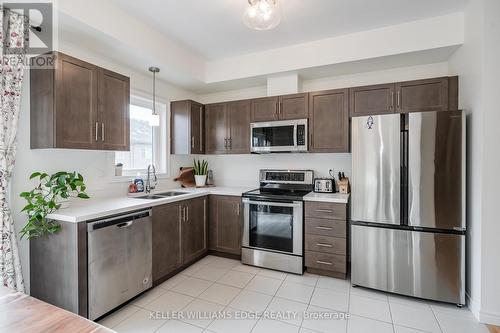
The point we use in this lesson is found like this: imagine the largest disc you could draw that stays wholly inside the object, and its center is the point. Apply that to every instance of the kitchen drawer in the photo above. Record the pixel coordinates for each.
(325, 227)
(326, 261)
(326, 210)
(325, 244)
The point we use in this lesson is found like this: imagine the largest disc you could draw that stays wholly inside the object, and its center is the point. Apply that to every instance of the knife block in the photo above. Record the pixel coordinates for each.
(344, 187)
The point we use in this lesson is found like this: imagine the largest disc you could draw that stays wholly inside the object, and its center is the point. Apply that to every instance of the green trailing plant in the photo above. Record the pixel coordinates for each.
(44, 200)
(200, 168)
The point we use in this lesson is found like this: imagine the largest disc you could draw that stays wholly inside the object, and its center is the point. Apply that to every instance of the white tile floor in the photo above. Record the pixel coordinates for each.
(217, 284)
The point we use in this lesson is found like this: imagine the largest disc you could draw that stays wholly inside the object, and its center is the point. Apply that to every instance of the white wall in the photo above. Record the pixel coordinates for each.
(96, 167)
(243, 169)
(477, 64)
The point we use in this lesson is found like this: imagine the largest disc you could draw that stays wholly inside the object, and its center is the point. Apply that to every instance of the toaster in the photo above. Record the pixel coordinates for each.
(324, 185)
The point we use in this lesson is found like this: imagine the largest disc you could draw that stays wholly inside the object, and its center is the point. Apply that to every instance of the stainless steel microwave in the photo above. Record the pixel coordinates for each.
(279, 136)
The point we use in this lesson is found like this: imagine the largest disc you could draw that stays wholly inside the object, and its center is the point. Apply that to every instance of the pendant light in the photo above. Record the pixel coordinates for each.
(262, 14)
(154, 121)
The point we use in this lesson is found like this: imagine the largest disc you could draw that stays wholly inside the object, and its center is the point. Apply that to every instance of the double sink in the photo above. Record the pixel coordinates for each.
(163, 195)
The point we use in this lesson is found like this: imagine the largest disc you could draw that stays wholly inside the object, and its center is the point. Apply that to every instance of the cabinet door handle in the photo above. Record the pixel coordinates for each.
(201, 128)
(323, 262)
(399, 98)
(187, 213)
(281, 110)
(102, 132)
(324, 245)
(324, 228)
(392, 99)
(324, 210)
(277, 112)
(181, 216)
(192, 142)
(96, 131)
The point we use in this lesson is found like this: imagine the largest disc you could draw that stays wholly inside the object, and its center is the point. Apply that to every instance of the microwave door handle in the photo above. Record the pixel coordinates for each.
(295, 137)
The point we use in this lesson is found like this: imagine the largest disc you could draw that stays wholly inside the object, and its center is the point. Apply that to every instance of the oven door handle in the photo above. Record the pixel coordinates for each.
(247, 201)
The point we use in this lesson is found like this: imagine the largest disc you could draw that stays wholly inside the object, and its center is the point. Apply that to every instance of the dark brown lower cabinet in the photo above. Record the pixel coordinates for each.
(167, 252)
(194, 229)
(225, 226)
(179, 235)
(326, 238)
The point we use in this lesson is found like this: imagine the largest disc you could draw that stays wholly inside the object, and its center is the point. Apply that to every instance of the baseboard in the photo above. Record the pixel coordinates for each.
(473, 306)
(482, 316)
(225, 255)
(489, 318)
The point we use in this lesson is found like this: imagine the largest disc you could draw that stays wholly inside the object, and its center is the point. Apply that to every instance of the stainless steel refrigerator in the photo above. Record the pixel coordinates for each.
(408, 204)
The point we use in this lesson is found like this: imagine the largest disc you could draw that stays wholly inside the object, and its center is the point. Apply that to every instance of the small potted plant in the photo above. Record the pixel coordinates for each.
(47, 197)
(200, 172)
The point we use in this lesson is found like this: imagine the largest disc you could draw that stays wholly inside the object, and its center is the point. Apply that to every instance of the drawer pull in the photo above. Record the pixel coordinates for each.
(324, 210)
(324, 228)
(324, 245)
(323, 262)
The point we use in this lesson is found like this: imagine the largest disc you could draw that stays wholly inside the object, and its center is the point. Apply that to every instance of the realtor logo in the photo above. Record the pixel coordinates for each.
(38, 20)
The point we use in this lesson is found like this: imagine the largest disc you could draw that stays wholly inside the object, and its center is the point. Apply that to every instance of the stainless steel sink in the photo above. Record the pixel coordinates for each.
(163, 195)
(170, 194)
(150, 197)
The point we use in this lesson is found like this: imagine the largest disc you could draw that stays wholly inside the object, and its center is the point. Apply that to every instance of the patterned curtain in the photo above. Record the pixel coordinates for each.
(13, 43)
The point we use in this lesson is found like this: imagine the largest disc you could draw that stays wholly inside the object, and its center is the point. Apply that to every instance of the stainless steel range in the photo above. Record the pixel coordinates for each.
(274, 220)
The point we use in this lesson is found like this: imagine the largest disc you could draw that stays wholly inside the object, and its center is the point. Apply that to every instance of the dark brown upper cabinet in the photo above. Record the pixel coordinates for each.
(294, 106)
(422, 95)
(78, 105)
(228, 128)
(113, 110)
(225, 224)
(215, 128)
(285, 107)
(329, 121)
(238, 127)
(187, 128)
(372, 100)
(436, 94)
(265, 109)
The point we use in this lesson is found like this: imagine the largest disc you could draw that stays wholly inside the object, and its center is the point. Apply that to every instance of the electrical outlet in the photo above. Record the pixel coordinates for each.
(330, 173)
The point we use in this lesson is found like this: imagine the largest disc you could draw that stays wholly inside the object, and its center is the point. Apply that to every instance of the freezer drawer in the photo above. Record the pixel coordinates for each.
(421, 264)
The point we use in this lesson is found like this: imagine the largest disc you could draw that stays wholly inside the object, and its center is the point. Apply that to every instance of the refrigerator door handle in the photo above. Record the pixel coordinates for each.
(404, 177)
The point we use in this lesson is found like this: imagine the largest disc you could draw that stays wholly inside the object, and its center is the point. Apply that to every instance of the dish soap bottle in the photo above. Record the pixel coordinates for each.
(139, 183)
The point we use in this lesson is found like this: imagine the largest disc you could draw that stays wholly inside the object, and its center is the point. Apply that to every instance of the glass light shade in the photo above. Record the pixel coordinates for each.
(154, 120)
(262, 14)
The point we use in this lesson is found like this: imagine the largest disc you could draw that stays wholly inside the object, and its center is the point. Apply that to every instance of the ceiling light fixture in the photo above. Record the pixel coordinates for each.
(262, 14)
(154, 121)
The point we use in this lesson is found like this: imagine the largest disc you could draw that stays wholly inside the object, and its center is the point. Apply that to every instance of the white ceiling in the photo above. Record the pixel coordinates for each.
(213, 29)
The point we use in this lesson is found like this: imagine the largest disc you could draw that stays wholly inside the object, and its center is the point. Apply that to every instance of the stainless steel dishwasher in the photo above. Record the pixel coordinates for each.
(119, 260)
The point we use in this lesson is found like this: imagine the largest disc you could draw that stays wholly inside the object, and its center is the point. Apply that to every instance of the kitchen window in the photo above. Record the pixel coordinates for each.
(148, 144)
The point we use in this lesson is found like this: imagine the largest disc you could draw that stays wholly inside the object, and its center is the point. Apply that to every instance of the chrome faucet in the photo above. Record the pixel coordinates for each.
(151, 183)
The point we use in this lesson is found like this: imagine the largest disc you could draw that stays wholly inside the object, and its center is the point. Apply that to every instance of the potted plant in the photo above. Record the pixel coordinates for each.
(200, 172)
(47, 197)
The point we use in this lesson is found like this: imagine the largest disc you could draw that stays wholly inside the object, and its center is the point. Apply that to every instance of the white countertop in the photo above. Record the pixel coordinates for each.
(98, 207)
(327, 197)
